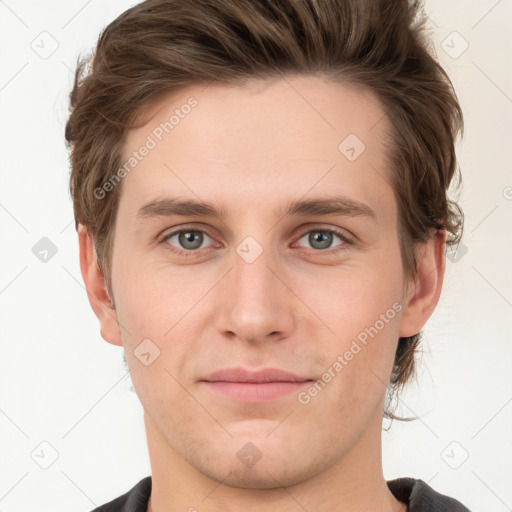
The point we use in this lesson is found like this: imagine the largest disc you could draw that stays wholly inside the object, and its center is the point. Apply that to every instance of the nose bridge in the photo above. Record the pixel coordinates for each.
(256, 302)
(252, 279)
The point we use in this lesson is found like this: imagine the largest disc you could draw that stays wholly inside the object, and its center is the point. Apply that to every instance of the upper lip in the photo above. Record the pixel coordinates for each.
(260, 376)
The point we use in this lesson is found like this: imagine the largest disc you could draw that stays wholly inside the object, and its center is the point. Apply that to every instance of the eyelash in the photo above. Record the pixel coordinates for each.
(346, 241)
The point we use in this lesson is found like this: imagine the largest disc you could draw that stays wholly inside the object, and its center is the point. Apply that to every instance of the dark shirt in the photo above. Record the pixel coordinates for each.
(416, 493)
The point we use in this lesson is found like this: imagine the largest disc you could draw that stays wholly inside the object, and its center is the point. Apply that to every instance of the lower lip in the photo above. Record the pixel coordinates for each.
(255, 391)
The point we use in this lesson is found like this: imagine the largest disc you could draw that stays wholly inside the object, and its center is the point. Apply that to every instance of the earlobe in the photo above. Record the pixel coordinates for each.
(96, 289)
(423, 294)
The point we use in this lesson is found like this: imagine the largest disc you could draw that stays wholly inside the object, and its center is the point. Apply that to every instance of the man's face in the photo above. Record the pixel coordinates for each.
(260, 288)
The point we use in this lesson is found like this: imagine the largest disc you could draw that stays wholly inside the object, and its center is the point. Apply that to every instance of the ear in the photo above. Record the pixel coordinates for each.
(423, 293)
(96, 289)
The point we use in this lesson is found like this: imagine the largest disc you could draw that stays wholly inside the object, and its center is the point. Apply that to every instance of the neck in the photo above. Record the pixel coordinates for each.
(353, 483)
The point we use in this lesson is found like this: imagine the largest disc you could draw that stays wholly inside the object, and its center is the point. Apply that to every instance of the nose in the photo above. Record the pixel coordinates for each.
(255, 305)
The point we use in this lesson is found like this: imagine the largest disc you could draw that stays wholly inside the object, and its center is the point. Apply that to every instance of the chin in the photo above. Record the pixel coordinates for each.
(265, 476)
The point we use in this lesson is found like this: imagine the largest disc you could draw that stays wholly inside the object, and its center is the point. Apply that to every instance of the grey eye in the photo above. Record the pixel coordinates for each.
(188, 240)
(321, 239)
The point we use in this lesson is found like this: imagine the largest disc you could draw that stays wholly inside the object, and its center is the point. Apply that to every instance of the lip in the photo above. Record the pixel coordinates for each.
(254, 386)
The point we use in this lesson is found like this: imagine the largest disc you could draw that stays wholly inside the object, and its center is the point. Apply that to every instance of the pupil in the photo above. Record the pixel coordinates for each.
(321, 239)
(189, 239)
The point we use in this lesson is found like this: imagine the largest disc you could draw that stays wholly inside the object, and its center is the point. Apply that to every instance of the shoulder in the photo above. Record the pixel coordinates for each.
(420, 497)
(135, 500)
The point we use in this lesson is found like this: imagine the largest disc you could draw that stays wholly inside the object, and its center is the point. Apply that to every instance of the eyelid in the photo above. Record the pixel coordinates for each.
(184, 227)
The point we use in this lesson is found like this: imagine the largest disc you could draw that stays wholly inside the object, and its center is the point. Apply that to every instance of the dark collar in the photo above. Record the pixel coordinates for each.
(419, 497)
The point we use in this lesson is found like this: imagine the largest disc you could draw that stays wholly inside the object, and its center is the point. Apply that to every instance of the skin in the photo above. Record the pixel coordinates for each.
(251, 151)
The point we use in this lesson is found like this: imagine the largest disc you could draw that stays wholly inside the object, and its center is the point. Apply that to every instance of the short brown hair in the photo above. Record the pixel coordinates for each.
(160, 46)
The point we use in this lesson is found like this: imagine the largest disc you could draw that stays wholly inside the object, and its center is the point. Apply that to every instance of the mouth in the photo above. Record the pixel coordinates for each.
(262, 385)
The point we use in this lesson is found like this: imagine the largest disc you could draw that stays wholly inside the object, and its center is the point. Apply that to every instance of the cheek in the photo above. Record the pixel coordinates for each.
(159, 312)
(360, 311)
(356, 377)
(353, 298)
(150, 299)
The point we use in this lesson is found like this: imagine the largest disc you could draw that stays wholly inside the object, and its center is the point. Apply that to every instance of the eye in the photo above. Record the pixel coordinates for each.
(322, 239)
(187, 240)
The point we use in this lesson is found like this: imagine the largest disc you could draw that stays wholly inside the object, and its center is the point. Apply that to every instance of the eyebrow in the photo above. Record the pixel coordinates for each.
(340, 206)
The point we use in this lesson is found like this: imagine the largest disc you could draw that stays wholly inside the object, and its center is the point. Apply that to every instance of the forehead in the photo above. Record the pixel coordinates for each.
(286, 136)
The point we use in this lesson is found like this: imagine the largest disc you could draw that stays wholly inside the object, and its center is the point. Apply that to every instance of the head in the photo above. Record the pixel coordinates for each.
(246, 107)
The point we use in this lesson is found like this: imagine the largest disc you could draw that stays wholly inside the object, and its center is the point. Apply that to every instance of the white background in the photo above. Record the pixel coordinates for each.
(62, 384)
